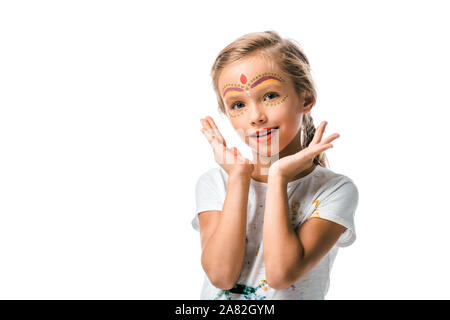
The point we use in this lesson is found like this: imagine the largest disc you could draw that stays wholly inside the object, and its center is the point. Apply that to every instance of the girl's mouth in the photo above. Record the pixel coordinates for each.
(263, 137)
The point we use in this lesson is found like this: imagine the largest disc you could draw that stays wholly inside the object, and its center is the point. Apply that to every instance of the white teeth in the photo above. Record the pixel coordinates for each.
(265, 134)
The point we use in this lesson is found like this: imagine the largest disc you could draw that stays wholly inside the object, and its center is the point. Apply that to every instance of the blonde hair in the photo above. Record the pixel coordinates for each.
(289, 57)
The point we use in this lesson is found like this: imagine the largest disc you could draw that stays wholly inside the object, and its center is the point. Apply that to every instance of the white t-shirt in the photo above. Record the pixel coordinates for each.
(322, 193)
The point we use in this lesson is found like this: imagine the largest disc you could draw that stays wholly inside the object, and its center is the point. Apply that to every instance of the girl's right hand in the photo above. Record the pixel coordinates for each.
(230, 159)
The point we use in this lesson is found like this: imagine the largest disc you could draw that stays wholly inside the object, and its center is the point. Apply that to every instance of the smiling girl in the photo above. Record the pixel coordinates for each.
(285, 198)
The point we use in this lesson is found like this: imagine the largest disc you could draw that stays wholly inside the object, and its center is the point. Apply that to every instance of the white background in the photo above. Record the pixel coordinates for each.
(100, 143)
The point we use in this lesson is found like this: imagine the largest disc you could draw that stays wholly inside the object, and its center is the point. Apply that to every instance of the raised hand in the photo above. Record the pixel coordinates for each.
(230, 159)
(290, 166)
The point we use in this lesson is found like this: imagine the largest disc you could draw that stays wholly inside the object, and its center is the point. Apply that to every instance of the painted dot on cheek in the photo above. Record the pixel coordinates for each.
(239, 114)
(276, 103)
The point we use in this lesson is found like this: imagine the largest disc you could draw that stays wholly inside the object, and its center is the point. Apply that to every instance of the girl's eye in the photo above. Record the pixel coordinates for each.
(240, 104)
(272, 95)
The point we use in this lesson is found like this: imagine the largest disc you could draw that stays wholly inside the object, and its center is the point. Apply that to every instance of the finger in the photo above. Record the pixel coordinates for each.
(209, 124)
(215, 129)
(319, 133)
(212, 139)
(211, 127)
(320, 148)
(313, 151)
(216, 136)
(209, 136)
(222, 154)
(207, 129)
(236, 150)
(237, 155)
(205, 124)
(330, 138)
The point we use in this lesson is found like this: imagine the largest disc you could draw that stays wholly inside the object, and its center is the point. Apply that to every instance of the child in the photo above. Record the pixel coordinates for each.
(286, 198)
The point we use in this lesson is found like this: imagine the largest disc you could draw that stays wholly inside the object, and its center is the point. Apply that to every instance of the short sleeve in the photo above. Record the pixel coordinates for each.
(207, 197)
(339, 204)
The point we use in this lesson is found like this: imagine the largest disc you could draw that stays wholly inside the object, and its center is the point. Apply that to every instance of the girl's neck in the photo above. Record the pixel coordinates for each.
(263, 163)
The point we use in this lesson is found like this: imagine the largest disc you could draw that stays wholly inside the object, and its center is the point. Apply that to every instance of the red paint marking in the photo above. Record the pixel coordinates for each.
(243, 79)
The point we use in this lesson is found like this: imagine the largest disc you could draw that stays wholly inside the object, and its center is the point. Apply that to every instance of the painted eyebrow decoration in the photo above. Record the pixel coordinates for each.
(234, 88)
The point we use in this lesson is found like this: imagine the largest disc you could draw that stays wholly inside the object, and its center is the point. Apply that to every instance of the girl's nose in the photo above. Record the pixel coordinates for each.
(257, 114)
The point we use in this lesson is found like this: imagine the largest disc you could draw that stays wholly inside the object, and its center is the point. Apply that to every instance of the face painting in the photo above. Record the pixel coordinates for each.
(244, 86)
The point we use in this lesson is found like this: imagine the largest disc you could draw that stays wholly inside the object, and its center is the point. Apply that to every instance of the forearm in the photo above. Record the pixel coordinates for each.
(223, 255)
(282, 248)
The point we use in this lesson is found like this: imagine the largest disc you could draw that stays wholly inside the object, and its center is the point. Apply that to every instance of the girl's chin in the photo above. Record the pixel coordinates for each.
(264, 150)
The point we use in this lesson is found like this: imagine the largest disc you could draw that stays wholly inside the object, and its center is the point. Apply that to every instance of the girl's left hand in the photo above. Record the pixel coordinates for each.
(288, 167)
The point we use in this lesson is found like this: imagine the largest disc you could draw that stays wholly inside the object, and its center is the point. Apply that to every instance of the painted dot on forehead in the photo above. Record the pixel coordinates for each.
(256, 81)
(243, 79)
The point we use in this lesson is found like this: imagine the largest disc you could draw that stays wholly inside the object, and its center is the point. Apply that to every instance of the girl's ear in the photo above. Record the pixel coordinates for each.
(306, 101)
